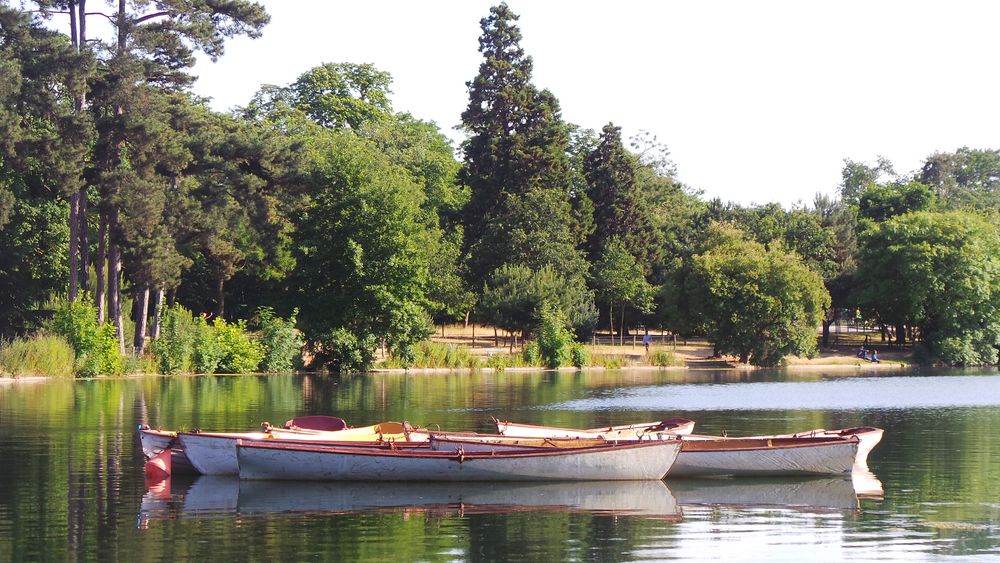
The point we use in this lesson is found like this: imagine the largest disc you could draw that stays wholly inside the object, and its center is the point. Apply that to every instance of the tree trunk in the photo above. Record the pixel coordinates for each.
(496, 337)
(157, 314)
(74, 238)
(900, 336)
(220, 296)
(84, 235)
(172, 297)
(114, 290)
(826, 332)
(102, 256)
(621, 328)
(611, 322)
(142, 313)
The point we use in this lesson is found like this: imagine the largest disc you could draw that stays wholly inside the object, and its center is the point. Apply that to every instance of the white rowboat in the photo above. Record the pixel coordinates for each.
(305, 462)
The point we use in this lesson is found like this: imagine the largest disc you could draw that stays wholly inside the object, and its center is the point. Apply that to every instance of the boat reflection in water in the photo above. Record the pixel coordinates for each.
(226, 496)
(215, 496)
(800, 494)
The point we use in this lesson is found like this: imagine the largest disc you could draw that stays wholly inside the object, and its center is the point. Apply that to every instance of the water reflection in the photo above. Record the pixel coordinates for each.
(832, 494)
(843, 393)
(222, 496)
(211, 496)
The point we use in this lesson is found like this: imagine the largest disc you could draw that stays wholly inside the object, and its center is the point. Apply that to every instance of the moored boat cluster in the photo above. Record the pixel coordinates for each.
(324, 448)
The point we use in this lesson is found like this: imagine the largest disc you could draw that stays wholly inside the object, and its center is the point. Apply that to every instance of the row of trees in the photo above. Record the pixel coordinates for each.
(319, 196)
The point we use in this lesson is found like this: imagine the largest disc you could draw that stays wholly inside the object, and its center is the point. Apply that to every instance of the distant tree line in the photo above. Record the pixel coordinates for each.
(318, 197)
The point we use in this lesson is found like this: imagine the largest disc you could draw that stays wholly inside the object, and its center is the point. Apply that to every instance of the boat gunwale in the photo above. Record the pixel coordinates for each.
(624, 427)
(380, 444)
(732, 444)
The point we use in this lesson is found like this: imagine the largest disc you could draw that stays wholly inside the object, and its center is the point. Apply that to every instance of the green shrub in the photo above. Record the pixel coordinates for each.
(104, 358)
(282, 342)
(428, 354)
(96, 346)
(77, 323)
(664, 358)
(500, 362)
(531, 354)
(144, 364)
(343, 352)
(579, 355)
(174, 350)
(554, 339)
(207, 350)
(240, 352)
(49, 355)
(607, 361)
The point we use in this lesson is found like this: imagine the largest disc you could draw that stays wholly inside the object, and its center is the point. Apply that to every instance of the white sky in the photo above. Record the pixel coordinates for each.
(757, 101)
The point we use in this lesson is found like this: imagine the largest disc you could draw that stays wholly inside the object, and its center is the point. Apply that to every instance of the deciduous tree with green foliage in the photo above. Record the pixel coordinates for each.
(758, 303)
(619, 281)
(939, 272)
(361, 257)
(514, 297)
(967, 178)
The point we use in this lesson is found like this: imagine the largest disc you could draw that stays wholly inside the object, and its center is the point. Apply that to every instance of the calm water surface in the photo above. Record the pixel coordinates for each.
(71, 483)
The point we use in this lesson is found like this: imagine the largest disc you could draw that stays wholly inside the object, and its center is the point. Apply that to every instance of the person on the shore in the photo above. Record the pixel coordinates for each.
(875, 357)
(646, 341)
(862, 353)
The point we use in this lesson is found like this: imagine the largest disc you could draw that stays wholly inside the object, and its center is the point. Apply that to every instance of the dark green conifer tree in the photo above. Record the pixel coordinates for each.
(516, 163)
(620, 209)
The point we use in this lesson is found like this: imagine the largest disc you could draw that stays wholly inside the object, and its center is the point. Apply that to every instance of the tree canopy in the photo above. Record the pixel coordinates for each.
(758, 303)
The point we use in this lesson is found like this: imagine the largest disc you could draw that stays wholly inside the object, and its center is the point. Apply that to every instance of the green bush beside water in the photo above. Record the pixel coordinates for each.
(282, 342)
(664, 358)
(192, 344)
(95, 345)
(554, 339)
(429, 354)
(44, 354)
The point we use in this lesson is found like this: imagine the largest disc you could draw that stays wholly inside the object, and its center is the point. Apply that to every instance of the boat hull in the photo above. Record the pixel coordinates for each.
(868, 436)
(739, 457)
(153, 443)
(215, 453)
(261, 460)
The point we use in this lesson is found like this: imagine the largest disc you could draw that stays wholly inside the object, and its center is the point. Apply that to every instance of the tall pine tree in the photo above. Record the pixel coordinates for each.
(515, 163)
(620, 208)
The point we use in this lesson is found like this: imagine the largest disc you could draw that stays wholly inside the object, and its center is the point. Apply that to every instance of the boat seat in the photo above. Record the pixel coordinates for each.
(390, 428)
(317, 422)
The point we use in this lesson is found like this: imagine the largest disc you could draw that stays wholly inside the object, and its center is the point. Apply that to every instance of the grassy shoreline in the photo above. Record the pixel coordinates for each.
(458, 349)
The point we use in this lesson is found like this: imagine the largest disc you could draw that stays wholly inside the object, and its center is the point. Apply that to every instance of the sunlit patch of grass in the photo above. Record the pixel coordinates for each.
(608, 361)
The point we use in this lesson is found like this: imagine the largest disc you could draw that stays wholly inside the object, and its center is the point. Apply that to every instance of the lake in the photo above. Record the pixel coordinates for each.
(73, 486)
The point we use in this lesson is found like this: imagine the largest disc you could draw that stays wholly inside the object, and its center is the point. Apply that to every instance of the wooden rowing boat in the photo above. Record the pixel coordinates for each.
(700, 456)
(214, 453)
(309, 462)
(642, 430)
